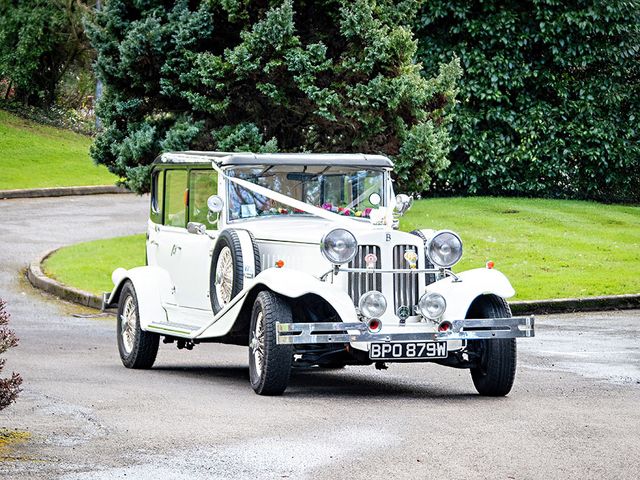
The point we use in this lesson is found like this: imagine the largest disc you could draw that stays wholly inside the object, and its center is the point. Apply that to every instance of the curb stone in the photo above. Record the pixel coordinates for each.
(570, 305)
(39, 280)
(61, 191)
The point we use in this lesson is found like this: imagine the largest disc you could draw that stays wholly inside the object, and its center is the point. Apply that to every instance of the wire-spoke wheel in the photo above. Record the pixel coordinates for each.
(269, 363)
(128, 321)
(224, 276)
(227, 268)
(138, 349)
(257, 343)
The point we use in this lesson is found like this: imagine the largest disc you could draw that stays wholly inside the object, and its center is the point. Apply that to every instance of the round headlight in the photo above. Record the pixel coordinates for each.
(372, 304)
(339, 246)
(432, 305)
(445, 249)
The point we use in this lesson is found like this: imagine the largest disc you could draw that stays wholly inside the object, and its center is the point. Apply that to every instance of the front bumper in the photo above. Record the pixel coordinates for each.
(468, 329)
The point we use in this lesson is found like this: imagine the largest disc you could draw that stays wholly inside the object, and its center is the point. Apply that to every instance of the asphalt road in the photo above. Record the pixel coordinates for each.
(574, 411)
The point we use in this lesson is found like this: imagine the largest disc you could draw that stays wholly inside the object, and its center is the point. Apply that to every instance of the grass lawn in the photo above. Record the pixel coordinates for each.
(547, 248)
(89, 265)
(38, 156)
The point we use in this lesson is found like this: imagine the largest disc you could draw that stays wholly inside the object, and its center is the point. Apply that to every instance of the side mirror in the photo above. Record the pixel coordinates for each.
(403, 203)
(215, 204)
(196, 228)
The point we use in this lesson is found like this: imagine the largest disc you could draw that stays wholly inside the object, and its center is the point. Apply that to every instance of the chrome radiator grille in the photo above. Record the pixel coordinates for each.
(429, 277)
(360, 283)
(405, 285)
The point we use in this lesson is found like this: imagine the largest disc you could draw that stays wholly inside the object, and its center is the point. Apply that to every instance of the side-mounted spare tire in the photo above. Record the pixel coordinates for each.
(228, 266)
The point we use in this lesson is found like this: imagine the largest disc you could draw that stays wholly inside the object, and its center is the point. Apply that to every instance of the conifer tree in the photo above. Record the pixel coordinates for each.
(290, 76)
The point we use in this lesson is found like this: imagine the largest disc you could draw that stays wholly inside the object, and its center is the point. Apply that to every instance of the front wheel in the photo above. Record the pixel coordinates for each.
(497, 358)
(269, 363)
(138, 349)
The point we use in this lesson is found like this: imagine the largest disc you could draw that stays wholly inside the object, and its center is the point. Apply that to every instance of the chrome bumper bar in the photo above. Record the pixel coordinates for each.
(468, 329)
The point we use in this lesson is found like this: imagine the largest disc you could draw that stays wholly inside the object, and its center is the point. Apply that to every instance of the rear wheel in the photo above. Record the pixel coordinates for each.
(496, 372)
(138, 349)
(269, 363)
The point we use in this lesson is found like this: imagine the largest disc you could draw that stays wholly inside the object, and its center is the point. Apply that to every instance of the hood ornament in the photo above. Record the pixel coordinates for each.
(403, 313)
(370, 260)
(412, 257)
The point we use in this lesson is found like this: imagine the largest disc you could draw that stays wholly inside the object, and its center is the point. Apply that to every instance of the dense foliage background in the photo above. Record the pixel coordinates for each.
(550, 98)
(331, 75)
(44, 54)
(548, 103)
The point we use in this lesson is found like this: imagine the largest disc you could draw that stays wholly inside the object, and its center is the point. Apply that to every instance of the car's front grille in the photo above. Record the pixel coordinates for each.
(429, 278)
(405, 285)
(360, 283)
(406, 288)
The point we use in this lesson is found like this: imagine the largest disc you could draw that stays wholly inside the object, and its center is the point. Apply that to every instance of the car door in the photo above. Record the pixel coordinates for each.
(195, 250)
(170, 235)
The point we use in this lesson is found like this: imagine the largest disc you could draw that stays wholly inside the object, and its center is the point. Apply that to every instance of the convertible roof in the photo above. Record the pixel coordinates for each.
(225, 158)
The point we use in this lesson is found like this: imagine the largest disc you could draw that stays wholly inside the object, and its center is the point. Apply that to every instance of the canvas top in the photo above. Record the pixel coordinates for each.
(311, 159)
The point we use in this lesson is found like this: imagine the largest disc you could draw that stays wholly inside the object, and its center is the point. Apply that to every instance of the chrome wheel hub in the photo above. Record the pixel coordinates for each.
(128, 322)
(224, 276)
(257, 344)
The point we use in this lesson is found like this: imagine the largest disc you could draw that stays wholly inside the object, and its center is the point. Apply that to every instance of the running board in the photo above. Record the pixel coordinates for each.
(173, 329)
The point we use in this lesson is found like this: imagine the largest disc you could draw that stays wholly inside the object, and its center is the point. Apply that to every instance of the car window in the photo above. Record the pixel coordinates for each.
(342, 190)
(157, 196)
(175, 198)
(202, 184)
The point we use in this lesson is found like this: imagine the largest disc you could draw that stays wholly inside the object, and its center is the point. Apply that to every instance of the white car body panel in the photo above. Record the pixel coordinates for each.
(472, 284)
(157, 305)
(288, 283)
(153, 290)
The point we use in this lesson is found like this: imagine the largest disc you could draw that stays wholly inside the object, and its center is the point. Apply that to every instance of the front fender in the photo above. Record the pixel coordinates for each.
(153, 288)
(294, 284)
(283, 281)
(473, 283)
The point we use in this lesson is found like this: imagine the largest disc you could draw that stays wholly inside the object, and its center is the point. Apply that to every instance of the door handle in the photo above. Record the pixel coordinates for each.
(175, 249)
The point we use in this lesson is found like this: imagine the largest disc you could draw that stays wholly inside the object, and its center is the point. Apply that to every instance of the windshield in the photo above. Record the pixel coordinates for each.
(346, 191)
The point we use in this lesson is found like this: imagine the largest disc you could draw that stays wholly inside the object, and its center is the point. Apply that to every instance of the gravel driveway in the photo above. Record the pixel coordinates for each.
(574, 411)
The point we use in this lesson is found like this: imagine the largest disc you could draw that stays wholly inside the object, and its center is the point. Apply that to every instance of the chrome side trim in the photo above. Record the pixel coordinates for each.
(391, 270)
(467, 329)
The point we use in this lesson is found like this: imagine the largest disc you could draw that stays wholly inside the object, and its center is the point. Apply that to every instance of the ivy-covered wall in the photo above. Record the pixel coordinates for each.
(292, 76)
(550, 96)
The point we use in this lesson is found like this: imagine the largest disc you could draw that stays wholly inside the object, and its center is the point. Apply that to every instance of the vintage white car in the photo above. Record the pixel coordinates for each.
(299, 257)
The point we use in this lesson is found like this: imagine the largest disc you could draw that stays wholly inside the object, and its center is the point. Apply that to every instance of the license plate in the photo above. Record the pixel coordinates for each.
(407, 351)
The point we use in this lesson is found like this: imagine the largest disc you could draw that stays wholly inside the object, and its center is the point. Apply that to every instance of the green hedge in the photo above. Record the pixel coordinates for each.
(550, 98)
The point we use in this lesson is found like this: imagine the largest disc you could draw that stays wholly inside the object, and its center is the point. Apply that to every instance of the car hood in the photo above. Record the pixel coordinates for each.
(305, 229)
